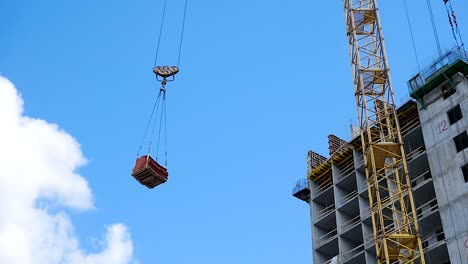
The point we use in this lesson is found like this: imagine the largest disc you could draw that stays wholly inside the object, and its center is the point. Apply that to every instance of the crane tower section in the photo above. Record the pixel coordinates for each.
(392, 209)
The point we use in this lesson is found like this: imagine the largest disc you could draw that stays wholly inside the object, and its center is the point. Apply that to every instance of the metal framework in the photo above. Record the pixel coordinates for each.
(393, 213)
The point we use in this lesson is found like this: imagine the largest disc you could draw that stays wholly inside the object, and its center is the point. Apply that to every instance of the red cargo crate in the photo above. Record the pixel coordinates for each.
(148, 172)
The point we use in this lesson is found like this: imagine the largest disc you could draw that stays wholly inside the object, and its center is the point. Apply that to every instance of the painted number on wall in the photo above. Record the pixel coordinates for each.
(442, 126)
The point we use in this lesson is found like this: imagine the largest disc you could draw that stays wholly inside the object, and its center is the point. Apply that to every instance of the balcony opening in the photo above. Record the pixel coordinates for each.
(425, 244)
(427, 176)
(419, 212)
(440, 235)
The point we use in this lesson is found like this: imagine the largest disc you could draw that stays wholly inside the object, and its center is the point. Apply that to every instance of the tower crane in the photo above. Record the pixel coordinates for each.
(394, 219)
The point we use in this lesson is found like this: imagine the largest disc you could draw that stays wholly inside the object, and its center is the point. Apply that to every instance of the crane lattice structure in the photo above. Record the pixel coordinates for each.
(392, 208)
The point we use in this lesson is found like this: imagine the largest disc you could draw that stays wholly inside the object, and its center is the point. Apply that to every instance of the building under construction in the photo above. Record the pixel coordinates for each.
(434, 131)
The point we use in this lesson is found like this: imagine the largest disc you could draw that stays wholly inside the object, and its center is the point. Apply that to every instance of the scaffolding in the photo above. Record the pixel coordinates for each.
(393, 214)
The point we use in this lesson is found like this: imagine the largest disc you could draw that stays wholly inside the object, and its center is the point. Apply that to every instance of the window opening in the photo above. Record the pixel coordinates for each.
(465, 172)
(455, 114)
(461, 141)
(448, 89)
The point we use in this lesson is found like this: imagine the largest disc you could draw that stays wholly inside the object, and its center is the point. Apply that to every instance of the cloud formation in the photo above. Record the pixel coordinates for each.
(38, 163)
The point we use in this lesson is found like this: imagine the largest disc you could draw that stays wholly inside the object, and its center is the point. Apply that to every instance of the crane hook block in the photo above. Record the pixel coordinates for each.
(166, 71)
(148, 172)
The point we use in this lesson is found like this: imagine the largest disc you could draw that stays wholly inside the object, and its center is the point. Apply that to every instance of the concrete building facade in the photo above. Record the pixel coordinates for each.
(444, 125)
(434, 130)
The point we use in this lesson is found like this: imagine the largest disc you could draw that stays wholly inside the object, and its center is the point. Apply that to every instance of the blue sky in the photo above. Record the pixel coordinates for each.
(260, 83)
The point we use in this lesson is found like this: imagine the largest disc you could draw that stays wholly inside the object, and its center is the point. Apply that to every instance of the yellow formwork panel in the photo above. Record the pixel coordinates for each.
(317, 173)
(321, 170)
(342, 156)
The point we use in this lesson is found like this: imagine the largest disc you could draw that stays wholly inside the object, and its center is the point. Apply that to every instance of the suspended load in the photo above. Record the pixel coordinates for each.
(148, 172)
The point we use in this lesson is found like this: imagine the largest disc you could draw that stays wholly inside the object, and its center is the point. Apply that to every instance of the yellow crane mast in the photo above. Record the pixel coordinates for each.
(395, 225)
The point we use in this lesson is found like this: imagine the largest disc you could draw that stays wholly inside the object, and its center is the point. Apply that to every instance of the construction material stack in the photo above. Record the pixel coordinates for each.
(148, 172)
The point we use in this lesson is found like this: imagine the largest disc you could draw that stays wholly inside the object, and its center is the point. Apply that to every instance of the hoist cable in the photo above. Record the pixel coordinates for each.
(165, 132)
(434, 27)
(160, 33)
(182, 33)
(154, 123)
(160, 122)
(412, 36)
(162, 90)
(149, 123)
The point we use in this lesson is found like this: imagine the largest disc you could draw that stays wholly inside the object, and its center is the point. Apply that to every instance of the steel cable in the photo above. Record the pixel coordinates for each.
(412, 36)
(182, 32)
(149, 123)
(160, 33)
(434, 28)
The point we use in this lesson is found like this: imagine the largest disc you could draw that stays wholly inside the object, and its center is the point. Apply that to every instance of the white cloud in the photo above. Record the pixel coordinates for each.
(38, 163)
